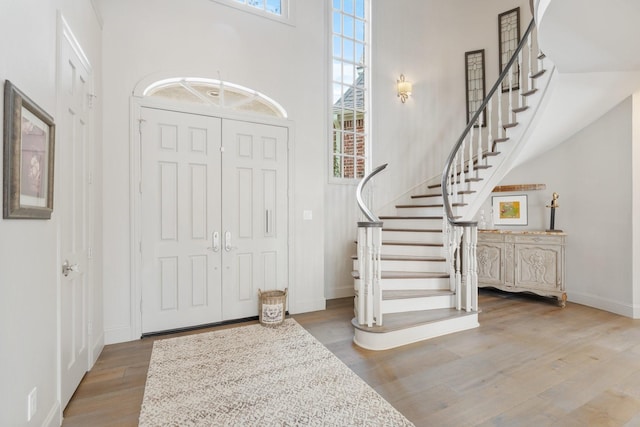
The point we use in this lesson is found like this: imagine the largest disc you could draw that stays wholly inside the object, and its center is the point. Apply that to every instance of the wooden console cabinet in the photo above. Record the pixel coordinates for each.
(522, 261)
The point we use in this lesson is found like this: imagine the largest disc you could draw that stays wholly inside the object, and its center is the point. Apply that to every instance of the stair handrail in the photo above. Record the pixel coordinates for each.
(363, 207)
(452, 155)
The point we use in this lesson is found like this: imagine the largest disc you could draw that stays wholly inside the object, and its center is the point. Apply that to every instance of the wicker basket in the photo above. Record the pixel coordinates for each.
(272, 307)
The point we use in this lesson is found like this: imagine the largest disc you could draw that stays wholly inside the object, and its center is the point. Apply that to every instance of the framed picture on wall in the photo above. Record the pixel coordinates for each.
(509, 210)
(508, 39)
(29, 137)
(475, 84)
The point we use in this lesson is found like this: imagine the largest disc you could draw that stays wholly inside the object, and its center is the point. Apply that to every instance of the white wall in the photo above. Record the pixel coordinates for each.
(203, 38)
(29, 267)
(425, 40)
(592, 173)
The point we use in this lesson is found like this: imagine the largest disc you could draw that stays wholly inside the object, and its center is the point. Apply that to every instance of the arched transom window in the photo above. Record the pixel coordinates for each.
(216, 93)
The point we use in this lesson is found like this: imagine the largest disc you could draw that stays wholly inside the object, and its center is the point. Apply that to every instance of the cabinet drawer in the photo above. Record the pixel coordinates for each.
(544, 239)
(490, 237)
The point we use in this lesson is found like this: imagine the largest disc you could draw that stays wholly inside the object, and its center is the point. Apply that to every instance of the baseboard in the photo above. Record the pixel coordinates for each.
(601, 303)
(96, 350)
(307, 305)
(118, 335)
(342, 292)
(54, 417)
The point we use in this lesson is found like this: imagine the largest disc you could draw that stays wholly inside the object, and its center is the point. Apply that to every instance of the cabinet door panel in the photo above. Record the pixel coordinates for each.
(491, 263)
(537, 266)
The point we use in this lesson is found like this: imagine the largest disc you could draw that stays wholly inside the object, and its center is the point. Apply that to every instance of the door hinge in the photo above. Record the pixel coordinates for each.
(90, 253)
(140, 121)
(141, 305)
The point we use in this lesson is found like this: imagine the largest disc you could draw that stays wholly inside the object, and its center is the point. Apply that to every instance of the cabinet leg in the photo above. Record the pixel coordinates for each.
(562, 300)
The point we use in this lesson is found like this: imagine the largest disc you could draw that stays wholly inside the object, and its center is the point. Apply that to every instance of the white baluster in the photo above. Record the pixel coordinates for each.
(490, 126)
(474, 268)
(360, 302)
(468, 263)
(530, 49)
(480, 123)
(458, 234)
(369, 283)
(520, 85)
(510, 110)
(470, 161)
(377, 274)
(500, 130)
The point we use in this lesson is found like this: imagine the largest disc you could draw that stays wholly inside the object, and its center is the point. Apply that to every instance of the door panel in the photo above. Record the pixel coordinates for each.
(71, 159)
(254, 216)
(180, 186)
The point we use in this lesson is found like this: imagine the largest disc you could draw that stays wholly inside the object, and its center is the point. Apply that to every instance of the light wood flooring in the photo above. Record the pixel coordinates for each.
(530, 363)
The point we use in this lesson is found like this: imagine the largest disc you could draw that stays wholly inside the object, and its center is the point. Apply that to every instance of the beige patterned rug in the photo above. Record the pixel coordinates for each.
(257, 376)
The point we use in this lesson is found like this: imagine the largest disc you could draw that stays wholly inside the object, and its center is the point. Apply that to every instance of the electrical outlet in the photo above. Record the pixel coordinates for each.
(32, 403)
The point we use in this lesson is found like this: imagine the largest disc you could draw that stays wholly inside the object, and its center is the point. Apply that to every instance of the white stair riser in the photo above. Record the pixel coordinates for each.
(417, 304)
(412, 250)
(417, 237)
(420, 224)
(421, 211)
(415, 266)
(385, 341)
(440, 283)
(436, 200)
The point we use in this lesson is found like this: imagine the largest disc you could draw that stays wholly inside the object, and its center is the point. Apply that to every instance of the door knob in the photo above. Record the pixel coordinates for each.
(68, 268)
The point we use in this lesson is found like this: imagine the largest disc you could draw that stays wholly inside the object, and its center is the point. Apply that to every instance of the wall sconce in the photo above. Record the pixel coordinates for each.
(404, 88)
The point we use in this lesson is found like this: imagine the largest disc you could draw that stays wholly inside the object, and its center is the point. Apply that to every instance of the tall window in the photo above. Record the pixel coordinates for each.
(350, 80)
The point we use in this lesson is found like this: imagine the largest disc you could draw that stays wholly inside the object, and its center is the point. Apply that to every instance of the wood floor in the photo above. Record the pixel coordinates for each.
(530, 363)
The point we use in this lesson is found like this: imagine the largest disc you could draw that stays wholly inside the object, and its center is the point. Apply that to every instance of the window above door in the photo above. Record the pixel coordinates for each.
(215, 93)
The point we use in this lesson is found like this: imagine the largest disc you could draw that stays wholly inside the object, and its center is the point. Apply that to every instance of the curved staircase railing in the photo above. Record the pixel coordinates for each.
(478, 143)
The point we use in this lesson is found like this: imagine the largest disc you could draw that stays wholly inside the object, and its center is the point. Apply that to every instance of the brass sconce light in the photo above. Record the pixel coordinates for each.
(404, 88)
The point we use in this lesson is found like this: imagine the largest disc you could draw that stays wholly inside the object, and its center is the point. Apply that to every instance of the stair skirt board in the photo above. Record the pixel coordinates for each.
(385, 338)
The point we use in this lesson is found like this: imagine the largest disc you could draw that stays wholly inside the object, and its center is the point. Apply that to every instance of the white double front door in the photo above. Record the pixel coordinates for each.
(213, 217)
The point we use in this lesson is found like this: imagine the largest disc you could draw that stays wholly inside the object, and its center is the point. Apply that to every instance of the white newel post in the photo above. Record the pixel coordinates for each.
(369, 270)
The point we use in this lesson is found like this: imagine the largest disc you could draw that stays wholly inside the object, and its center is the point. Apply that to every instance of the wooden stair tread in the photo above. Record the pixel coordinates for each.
(505, 139)
(414, 293)
(401, 243)
(529, 92)
(408, 258)
(398, 321)
(538, 74)
(419, 196)
(410, 217)
(520, 109)
(414, 230)
(467, 180)
(407, 275)
(509, 125)
(428, 206)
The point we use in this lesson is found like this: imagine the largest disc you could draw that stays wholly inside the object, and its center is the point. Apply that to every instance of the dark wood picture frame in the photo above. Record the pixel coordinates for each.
(29, 143)
(508, 39)
(475, 83)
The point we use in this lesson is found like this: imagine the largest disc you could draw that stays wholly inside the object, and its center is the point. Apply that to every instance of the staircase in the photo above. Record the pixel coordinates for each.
(415, 274)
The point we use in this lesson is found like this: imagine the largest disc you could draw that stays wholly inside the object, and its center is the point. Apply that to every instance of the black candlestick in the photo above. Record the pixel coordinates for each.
(554, 204)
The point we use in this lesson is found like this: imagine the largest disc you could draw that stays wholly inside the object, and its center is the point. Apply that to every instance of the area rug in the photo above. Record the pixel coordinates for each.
(257, 376)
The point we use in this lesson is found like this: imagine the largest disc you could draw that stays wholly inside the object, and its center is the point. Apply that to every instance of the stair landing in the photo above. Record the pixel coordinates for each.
(400, 329)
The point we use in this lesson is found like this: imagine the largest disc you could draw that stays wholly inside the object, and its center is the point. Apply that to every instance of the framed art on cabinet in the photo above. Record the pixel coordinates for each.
(475, 84)
(29, 138)
(508, 39)
(509, 210)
